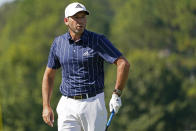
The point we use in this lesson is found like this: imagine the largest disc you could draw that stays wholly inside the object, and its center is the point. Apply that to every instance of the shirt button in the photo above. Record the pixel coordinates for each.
(74, 50)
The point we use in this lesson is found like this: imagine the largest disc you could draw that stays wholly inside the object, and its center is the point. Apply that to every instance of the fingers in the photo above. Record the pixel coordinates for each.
(116, 108)
(111, 107)
(115, 103)
(52, 117)
(48, 118)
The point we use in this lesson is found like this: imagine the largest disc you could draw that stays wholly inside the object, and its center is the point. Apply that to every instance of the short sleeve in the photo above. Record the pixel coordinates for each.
(107, 51)
(53, 61)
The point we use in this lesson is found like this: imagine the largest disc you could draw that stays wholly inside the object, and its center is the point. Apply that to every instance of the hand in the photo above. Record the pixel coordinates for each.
(48, 115)
(115, 103)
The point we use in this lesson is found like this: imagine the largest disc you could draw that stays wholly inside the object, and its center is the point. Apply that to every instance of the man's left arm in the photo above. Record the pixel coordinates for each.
(122, 76)
(122, 72)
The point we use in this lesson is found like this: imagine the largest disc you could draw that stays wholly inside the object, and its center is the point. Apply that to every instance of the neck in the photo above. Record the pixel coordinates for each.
(75, 36)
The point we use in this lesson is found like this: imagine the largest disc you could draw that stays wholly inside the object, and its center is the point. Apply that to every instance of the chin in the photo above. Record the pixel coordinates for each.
(79, 31)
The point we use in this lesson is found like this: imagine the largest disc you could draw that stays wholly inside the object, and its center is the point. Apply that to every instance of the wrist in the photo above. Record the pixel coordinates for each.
(46, 105)
(117, 92)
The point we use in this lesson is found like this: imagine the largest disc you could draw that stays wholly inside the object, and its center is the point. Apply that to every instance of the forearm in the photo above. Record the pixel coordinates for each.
(122, 73)
(47, 87)
(122, 76)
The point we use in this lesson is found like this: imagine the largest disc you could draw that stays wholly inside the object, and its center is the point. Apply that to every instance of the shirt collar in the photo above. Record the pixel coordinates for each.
(84, 36)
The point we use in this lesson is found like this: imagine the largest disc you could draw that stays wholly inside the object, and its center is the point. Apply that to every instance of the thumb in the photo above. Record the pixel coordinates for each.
(52, 117)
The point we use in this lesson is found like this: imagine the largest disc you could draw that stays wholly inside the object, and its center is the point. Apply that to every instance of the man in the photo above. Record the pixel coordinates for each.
(81, 55)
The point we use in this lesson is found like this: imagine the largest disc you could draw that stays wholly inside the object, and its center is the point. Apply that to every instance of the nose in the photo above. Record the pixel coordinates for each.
(81, 20)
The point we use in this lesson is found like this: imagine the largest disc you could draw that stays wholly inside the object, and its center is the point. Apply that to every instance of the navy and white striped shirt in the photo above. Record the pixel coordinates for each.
(81, 62)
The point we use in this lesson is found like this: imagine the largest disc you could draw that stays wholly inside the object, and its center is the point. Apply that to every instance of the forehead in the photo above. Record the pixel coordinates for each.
(81, 13)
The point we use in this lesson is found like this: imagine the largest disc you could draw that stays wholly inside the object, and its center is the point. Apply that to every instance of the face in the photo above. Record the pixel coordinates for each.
(76, 23)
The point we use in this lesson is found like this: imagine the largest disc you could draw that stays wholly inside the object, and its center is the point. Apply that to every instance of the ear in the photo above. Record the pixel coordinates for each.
(66, 21)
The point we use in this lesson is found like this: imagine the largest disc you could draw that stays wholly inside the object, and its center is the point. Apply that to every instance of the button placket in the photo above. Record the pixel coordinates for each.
(74, 49)
(75, 52)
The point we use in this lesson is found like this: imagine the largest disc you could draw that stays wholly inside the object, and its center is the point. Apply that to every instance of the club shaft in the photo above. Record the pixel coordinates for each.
(110, 119)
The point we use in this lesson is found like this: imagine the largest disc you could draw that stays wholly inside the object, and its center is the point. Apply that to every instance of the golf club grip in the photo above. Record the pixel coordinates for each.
(110, 119)
(106, 128)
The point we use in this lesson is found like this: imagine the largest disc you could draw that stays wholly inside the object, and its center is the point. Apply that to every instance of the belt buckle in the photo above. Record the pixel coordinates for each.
(78, 97)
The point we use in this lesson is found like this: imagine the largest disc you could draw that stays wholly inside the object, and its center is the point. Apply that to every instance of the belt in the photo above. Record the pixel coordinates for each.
(83, 96)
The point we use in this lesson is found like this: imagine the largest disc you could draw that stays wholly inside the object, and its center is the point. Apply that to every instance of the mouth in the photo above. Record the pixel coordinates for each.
(80, 27)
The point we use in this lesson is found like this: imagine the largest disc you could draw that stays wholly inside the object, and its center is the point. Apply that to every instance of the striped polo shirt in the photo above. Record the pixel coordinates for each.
(82, 62)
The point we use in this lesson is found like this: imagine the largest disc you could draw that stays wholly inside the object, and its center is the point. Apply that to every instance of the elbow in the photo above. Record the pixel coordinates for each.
(122, 63)
(125, 64)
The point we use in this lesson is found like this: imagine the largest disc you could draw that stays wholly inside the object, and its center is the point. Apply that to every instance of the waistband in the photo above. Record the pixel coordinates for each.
(84, 96)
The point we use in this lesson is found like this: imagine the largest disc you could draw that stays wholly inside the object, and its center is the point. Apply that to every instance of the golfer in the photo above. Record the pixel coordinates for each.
(81, 55)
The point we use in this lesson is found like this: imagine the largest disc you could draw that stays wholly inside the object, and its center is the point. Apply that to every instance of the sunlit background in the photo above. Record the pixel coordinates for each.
(158, 37)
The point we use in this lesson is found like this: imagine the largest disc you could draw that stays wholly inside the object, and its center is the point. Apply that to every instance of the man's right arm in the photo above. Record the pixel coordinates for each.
(47, 86)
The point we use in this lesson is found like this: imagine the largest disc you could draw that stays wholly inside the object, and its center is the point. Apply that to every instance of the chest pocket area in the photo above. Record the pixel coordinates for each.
(88, 56)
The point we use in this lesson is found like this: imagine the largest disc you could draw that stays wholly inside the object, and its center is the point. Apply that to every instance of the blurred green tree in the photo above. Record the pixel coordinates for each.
(155, 24)
(159, 39)
(156, 97)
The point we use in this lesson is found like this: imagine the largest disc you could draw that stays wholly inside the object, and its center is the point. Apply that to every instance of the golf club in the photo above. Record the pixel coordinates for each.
(110, 119)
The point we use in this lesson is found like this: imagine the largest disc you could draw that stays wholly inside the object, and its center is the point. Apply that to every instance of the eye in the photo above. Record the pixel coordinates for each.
(79, 17)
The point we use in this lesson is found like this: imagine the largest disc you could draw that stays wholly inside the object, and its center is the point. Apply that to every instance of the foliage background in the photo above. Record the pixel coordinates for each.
(157, 37)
